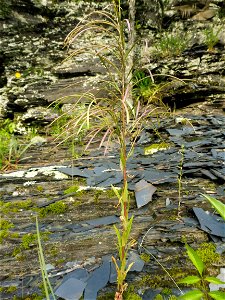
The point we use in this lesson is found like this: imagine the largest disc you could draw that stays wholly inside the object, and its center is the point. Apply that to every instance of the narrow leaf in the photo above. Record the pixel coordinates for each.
(218, 205)
(215, 280)
(192, 295)
(196, 260)
(129, 267)
(190, 280)
(119, 239)
(217, 295)
(116, 192)
(44, 273)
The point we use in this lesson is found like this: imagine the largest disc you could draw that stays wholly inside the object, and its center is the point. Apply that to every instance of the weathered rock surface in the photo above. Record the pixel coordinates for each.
(79, 232)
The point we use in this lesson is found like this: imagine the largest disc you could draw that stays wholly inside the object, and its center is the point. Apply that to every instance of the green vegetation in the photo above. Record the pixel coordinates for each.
(5, 144)
(55, 128)
(218, 205)
(15, 206)
(56, 208)
(222, 11)
(5, 225)
(170, 45)
(153, 148)
(11, 149)
(5, 9)
(7, 209)
(145, 257)
(144, 86)
(211, 37)
(146, 89)
(46, 283)
(201, 280)
(158, 297)
(179, 180)
(118, 116)
(207, 253)
(28, 241)
(112, 117)
(71, 189)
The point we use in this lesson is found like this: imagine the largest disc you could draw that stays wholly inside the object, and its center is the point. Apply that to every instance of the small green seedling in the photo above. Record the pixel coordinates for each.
(202, 292)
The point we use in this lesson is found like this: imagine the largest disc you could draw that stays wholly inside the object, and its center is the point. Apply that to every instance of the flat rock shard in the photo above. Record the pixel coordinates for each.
(210, 223)
(143, 192)
(71, 289)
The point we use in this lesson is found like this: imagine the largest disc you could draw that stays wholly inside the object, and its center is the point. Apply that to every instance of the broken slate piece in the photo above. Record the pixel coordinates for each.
(218, 174)
(145, 137)
(221, 190)
(102, 177)
(175, 132)
(71, 289)
(202, 164)
(103, 221)
(158, 177)
(49, 267)
(75, 172)
(189, 154)
(105, 179)
(97, 281)
(138, 263)
(190, 222)
(111, 181)
(143, 192)
(99, 170)
(208, 174)
(209, 222)
(79, 273)
(113, 272)
(150, 294)
(220, 248)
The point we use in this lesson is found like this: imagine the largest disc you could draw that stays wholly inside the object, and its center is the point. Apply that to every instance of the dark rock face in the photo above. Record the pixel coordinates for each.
(32, 44)
(33, 74)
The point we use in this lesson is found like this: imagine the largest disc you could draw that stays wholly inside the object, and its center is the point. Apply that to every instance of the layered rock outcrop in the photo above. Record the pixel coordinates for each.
(173, 41)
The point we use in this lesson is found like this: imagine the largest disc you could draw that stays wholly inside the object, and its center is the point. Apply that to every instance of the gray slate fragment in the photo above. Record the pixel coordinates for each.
(199, 164)
(80, 273)
(71, 289)
(138, 263)
(104, 221)
(190, 222)
(208, 174)
(76, 172)
(143, 192)
(97, 281)
(220, 248)
(113, 273)
(209, 223)
(221, 190)
(99, 170)
(219, 174)
(175, 132)
(186, 130)
(196, 143)
(150, 294)
(158, 177)
(106, 179)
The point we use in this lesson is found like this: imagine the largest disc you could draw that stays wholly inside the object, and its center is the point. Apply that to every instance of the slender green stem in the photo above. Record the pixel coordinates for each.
(180, 180)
